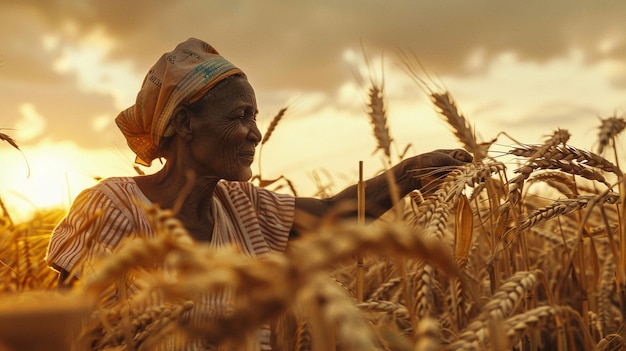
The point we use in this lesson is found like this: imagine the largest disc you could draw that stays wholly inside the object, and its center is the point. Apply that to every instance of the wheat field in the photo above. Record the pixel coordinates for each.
(522, 254)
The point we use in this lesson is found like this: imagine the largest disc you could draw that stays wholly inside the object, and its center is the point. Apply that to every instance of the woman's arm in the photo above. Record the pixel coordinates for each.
(422, 172)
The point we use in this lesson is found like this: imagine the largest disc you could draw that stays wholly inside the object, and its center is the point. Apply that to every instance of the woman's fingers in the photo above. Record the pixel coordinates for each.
(458, 154)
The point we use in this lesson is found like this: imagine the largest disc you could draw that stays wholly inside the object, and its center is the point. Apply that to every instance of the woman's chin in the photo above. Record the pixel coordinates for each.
(243, 175)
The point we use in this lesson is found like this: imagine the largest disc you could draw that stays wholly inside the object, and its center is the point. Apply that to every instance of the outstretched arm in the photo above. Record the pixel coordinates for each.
(422, 172)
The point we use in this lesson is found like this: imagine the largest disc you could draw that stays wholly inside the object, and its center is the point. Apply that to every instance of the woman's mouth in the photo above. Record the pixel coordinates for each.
(247, 156)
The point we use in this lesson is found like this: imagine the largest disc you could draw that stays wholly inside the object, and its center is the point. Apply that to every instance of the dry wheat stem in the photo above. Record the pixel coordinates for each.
(609, 128)
(424, 293)
(169, 269)
(303, 337)
(572, 168)
(378, 119)
(389, 285)
(427, 335)
(537, 319)
(506, 299)
(273, 279)
(559, 137)
(563, 207)
(9, 140)
(462, 130)
(567, 153)
(433, 213)
(612, 342)
(273, 124)
(146, 324)
(606, 292)
(559, 181)
(385, 307)
(340, 242)
(13, 143)
(336, 307)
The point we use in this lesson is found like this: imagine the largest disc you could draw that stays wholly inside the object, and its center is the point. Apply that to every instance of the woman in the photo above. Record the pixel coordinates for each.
(197, 111)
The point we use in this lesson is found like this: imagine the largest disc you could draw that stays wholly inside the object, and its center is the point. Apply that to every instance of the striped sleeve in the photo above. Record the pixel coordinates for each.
(93, 227)
(275, 215)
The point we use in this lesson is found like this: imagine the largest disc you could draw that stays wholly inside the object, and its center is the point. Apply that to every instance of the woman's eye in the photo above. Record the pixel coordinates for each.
(245, 115)
(239, 115)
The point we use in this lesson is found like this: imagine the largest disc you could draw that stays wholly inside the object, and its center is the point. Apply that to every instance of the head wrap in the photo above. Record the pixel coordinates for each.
(183, 75)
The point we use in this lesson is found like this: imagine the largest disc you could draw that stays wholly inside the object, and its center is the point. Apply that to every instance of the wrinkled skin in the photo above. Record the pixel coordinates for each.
(222, 133)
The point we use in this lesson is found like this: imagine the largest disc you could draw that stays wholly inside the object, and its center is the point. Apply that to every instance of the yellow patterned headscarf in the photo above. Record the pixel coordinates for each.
(183, 75)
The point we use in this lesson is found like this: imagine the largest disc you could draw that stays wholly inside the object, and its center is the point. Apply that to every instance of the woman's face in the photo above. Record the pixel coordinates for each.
(224, 132)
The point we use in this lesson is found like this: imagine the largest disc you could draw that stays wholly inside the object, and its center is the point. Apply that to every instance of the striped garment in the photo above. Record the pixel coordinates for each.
(256, 220)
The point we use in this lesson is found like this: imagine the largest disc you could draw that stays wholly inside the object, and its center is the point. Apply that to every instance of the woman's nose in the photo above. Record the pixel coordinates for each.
(255, 134)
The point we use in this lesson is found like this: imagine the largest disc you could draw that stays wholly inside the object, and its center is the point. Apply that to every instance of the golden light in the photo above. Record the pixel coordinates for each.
(58, 172)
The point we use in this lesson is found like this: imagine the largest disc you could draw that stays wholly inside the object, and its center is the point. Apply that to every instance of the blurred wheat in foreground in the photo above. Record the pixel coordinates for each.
(529, 257)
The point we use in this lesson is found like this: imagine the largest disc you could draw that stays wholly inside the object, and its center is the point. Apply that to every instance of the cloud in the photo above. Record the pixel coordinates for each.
(88, 61)
(80, 60)
(294, 44)
(31, 125)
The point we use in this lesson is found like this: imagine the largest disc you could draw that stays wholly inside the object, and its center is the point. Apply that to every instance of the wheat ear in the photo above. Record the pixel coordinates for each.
(506, 299)
(270, 129)
(378, 119)
(562, 207)
(536, 320)
(609, 128)
(462, 130)
(570, 154)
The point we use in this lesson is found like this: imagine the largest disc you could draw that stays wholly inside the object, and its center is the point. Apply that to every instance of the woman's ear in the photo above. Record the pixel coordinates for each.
(181, 122)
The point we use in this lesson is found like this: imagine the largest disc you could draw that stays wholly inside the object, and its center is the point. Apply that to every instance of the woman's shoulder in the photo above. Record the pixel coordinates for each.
(115, 181)
(115, 188)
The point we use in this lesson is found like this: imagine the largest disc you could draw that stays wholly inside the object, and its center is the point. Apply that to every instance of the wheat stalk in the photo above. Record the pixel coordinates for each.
(387, 307)
(557, 180)
(506, 299)
(273, 124)
(378, 119)
(610, 128)
(535, 320)
(612, 342)
(568, 154)
(433, 213)
(424, 293)
(562, 207)
(12, 142)
(571, 168)
(273, 279)
(8, 139)
(390, 285)
(303, 337)
(462, 130)
(329, 304)
(409, 270)
(146, 324)
(427, 335)
(605, 304)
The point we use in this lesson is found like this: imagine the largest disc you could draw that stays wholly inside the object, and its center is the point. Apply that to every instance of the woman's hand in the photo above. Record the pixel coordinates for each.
(428, 170)
(423, 172)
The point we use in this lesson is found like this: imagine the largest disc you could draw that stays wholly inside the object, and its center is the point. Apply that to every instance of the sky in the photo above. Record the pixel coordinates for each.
(68, 67)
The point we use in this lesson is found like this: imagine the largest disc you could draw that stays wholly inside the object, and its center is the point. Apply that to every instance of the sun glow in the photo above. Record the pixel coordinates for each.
(50, 175)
